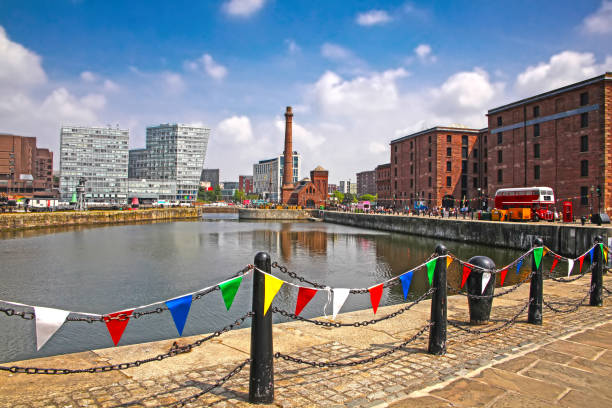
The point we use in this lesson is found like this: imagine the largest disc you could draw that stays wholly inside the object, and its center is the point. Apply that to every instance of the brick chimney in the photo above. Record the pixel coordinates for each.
(287, 187)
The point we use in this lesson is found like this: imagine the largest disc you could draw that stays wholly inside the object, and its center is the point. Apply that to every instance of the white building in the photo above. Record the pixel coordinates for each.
(268, 176)
(173, 153)
(98, 154)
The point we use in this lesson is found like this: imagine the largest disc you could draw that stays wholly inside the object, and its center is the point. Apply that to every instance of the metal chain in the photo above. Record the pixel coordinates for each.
(123, 316)
(355, 324)
(575, 278)
(354, 363)
(217, 383)
(506, 324)
(122, 366)
(607, 290)
(512, 289)
(571, 309)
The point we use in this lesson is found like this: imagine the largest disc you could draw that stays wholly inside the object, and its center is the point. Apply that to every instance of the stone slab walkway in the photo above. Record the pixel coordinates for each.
(566, 362)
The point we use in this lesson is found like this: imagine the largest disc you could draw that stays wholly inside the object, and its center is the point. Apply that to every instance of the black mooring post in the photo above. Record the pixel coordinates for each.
(261, 381)
(437, 332)
(597, 274)
(536, 290)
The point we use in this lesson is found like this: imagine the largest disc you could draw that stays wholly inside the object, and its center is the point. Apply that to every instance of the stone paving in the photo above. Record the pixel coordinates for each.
(566, 362)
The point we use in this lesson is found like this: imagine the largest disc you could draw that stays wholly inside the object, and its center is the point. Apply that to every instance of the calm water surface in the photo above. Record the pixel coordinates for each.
(110, 268)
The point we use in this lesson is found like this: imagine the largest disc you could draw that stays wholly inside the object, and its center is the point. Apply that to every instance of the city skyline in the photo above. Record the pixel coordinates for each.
(358, 75)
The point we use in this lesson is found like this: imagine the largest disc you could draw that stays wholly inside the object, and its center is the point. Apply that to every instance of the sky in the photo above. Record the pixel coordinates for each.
(358, 74)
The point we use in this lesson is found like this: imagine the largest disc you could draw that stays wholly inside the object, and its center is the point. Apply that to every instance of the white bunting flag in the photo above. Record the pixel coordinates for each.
(486, 276)
(47, 322)
(340, 296)
(570, 265)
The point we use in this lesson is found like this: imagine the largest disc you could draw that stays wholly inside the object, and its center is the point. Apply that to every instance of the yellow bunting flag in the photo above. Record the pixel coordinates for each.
(272, 286)
(449, 260)
(545, 251)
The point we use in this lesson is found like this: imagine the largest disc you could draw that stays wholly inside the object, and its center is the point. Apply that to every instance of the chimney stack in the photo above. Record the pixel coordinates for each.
(287, 188)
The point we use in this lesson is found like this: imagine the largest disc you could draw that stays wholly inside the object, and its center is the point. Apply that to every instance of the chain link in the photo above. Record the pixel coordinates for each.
(122, 366)
(506, 324)
(512, 289)
(355, 324)
(124, 316)
(357, 362)
(217, 383)
(571, 309)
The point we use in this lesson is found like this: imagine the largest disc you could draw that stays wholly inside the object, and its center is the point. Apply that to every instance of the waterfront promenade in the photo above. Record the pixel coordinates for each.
(565, 362)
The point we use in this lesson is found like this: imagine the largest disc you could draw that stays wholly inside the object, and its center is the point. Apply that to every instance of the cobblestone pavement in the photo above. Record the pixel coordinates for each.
(521, 365)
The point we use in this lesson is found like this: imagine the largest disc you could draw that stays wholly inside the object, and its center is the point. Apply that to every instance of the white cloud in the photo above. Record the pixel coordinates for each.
(88, 76)
(236, 129)
(423, 53)
(173, 82)
(468, 90)
(208, 65)
(292, 46)
(301, 136)
(62, 106)
(373, 17)
(18, 65)
(110, 86)
(377, 148)
(561, 69)
(94, 101)
(335, 52)
(242, 8)
(599, 22)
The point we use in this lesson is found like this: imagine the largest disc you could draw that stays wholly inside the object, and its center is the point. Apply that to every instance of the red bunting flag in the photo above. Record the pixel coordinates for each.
(581, 259)
(555, 261)
(116, 327)
(305, 295)
(466, 272)
(503, 276)
(375, 295)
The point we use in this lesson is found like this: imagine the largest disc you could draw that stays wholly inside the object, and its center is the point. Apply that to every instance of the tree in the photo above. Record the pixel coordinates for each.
(368, 197)
(349, 198)
(252, 197)
(338, 195)
(239, 196)
(217, 193)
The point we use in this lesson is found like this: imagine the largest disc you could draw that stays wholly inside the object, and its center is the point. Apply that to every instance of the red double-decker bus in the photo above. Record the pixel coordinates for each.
(541, 201)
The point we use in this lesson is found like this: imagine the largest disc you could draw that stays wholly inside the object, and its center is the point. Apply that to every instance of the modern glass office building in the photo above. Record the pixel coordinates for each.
(98, 154)
(173, 152)
(268, 176)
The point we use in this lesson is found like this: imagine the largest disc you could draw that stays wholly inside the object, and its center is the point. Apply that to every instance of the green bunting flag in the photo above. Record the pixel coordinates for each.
(229, 289)
(431, 266)
(537, 256)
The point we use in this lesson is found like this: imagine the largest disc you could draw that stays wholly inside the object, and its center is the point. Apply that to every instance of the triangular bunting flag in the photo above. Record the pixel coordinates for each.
(431, 267)
(503, 276)
(406, 279)
(555, 261)
(340, 296)
(518, 265)
(305, 295)
(486, 276)
(228, 291)
(604, 252)
(570, 265)
(272, 286)
(179, 308)
(48, 321)
(375, 295)
(466, 272)
(591, 253)
(537, 256)
(581, 259)
(116, 327)
(449, 260)
(545, 251)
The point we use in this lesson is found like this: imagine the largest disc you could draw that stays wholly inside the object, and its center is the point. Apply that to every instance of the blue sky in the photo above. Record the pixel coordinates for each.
(358, 73)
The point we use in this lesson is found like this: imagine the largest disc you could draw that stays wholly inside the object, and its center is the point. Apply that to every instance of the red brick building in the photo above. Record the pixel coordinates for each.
(366, 182)
(312, 192)
(383, 184)
(245, 184)
(559, 139)
(25, 170)
(440, 166)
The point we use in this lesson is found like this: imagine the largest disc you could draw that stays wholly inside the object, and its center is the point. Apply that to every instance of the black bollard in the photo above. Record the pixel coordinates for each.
(261, 381)
(597, 275)
(480, 308)
(437, 332)
(536, 289)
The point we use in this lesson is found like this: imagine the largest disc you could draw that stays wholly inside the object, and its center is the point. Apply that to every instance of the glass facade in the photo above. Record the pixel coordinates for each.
(268, 176)
(98, 154)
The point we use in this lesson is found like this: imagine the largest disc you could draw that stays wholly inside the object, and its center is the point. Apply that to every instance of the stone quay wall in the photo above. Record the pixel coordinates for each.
(259, 214)
(568, 240)
(18, 221)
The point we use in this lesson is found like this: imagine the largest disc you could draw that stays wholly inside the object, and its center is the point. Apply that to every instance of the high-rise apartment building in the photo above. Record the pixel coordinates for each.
(366, 182)
(268, 176)
(173, 152)
(24, 168)
(98, 154)
(210, 176)
(245, 184)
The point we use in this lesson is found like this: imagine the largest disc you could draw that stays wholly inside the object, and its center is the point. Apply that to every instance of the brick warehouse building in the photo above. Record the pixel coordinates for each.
(438, 166)
(383, 184)
(25, 170)
(559, 139)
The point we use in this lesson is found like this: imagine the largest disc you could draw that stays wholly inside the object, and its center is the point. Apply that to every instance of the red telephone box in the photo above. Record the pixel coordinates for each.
(568, 212)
